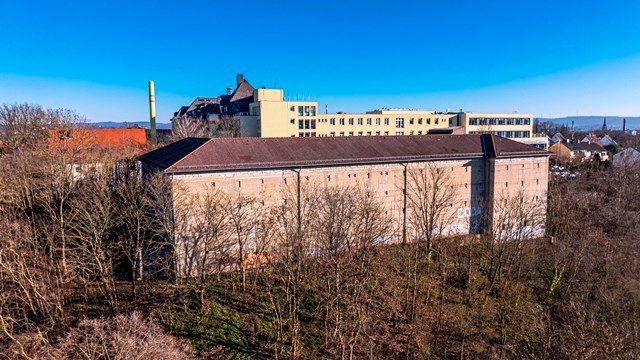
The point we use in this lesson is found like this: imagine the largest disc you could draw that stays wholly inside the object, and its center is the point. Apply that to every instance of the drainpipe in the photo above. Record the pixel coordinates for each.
(404, 203)
(299, 204)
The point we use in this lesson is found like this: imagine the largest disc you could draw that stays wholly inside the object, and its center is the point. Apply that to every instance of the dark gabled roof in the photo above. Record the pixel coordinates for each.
(168, 155)
(243, 91)
(584, 146)
(226, 154)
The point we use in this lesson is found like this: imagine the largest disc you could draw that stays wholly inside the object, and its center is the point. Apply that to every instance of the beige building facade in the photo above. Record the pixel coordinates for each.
(267, 113)
(277, 117)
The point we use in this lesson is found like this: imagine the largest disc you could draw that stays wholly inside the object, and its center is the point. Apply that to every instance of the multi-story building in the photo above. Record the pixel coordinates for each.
(278, 117)
(514, 126)
(481, 172)
(269, 114)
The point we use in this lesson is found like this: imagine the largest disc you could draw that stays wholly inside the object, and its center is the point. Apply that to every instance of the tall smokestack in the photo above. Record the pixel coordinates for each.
(152, 112)
(624, 124)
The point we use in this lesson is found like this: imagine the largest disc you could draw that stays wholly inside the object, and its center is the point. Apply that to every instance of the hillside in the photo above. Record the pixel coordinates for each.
(595, 122)
(120, 124)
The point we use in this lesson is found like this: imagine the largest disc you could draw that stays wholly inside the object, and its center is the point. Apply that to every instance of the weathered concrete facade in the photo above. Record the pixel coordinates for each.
(474, 182)
(480, 175)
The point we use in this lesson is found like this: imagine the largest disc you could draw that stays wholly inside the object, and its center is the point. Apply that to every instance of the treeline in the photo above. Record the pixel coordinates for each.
(82, 261)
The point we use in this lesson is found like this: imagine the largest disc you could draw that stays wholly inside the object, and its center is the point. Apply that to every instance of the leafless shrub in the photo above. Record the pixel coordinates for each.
(121, 337)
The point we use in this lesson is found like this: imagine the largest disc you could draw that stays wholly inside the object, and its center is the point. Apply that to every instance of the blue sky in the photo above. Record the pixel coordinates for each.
(551, 58)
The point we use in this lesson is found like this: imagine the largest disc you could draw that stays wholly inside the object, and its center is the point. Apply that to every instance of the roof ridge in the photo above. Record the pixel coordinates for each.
(190, 152)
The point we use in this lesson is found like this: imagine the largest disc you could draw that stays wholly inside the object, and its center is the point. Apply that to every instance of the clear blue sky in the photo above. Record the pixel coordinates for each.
(551, 58)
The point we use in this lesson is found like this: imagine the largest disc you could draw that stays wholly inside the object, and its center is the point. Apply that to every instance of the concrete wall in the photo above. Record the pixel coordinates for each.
(468, 180)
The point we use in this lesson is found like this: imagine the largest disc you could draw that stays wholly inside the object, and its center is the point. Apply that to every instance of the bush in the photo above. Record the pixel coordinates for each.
(121, 337)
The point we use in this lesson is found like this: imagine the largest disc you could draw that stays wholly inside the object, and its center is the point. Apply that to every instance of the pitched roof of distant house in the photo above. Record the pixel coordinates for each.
(585, 146)
(100, 139)
(627, 156)
(591, 138)
(236, 102)
(243, 91)
(202, 104)
(227, 154)
(606, 140)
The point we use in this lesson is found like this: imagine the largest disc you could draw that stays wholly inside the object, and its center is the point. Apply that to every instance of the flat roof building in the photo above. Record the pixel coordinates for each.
(270, 114)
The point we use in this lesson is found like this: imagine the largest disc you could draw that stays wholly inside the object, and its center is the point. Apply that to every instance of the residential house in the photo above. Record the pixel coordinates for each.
(627, 157)
(578, 152)
(84, 150)
(557, 137)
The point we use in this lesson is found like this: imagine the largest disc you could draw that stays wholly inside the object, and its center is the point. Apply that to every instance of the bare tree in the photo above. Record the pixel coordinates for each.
(243, 213)
(185, 126)
(134, 229)
(227, 126)
(213, 227)
(93, 218)
(348, 224)
(430, 196)
(516, 218)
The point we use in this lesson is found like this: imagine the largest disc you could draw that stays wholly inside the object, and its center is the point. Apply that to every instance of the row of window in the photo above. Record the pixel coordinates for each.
(306, 124)
(379, 121)
(307, 134)
(358, 133)
(305, 110)
(506, 134)
(499, 121)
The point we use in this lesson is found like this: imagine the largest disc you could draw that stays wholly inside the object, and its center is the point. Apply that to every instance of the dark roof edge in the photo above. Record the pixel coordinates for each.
(317, 164)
